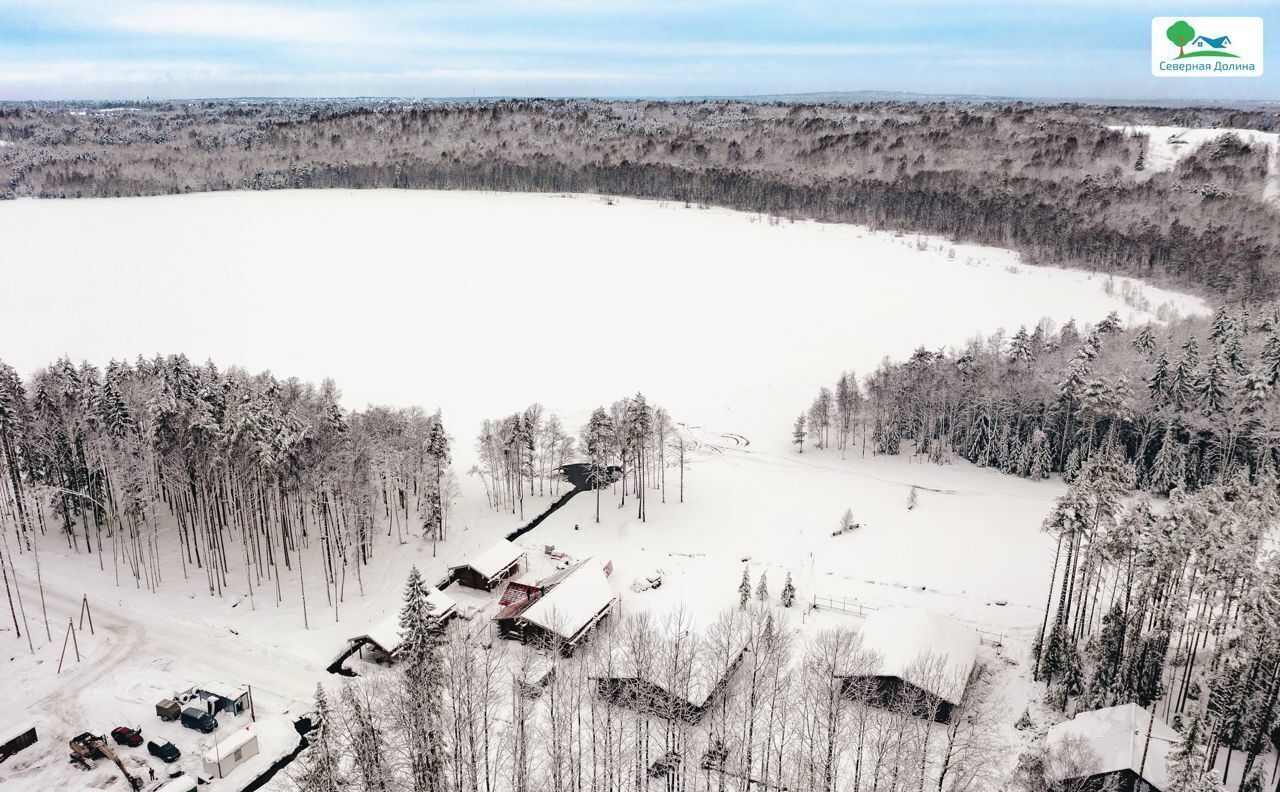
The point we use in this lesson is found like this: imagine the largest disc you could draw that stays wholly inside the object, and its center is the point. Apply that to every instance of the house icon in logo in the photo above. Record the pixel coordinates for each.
(1216, 43)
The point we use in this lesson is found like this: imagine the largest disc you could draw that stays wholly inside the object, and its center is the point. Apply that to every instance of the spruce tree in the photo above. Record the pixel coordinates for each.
(798, 434)
(744, 588)
(421, 689)
(762, 591)
(319, 768)
(788, 592)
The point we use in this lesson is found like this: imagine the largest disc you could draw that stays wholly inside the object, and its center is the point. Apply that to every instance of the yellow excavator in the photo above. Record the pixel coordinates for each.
(87, 747)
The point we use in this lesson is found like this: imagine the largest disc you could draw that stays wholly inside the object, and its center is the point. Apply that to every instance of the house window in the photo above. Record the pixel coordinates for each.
(236, 757)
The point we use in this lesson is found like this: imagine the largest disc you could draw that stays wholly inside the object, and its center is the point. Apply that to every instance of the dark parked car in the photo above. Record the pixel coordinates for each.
(164, 750)
(199, 720)
(123, 735)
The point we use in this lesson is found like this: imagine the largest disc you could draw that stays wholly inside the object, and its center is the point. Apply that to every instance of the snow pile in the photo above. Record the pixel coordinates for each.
(931, 652)
(573, 603)
(1114, 739)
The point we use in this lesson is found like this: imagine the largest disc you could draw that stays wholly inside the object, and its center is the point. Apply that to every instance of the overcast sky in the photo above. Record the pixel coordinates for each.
(77, 49)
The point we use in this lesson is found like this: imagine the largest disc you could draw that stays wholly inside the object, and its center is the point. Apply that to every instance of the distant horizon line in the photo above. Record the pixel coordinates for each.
(871, 95)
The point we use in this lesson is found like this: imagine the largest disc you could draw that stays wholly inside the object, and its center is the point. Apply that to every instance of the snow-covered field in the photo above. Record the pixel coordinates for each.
(480, 304)
(1167, 145)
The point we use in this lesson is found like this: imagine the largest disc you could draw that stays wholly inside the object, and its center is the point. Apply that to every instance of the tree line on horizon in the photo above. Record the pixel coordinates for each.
(1053, 182)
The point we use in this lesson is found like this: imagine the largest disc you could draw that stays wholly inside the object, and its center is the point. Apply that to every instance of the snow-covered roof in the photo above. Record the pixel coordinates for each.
(234, 742)
(224, 690)
(929, 651)
(495, 559)
(386, 633)
(696, 686)
(10, 732)
(1114, 738)
(573, 603)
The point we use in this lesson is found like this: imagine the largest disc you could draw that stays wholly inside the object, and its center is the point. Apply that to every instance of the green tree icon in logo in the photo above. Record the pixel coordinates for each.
(1181, 34)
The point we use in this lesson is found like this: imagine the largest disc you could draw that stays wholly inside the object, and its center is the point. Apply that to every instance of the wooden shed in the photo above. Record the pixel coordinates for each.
(486, 570)
(14, 739)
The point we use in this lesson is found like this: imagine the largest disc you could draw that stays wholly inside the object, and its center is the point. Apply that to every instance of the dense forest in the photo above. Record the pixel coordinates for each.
(1051, 181)
(1164, 585)
(239, 470)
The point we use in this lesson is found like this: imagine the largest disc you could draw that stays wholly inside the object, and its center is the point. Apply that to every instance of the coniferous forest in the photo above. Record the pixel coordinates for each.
(1164, 585)
(237, 464)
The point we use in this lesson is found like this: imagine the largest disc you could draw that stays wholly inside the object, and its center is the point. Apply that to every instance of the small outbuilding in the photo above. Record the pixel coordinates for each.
(566, 614)
(915, 657)
(14, 739)
(486, 570)
(221, 697)
(1110, 748)
(383, 639)
(221, 760)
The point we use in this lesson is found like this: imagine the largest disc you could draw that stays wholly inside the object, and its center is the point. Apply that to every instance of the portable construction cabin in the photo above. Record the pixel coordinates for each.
(383, 639)
(14, 739)
(486, 570)
(221, 697)
(1107, 746)
(914, 657)
(565, 616)
(229, 754)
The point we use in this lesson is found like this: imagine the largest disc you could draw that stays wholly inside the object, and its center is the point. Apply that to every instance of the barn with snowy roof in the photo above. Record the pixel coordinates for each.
(488, 569)
(914, 657)
(1121, 748)
(654, 691)
(565, 608)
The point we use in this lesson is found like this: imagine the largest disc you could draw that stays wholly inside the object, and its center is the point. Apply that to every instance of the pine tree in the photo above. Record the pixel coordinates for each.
(744, 588)
(798, 433)
(1213, 386)
(1186, 760)
(762, 591)
(319, 769)
(1271, 359)
(788, 592)
(1168, 470)
(420, 662)
(596, 441)
(1221, 326)
(1145, 340)
(1020, 350)
(1158, 383)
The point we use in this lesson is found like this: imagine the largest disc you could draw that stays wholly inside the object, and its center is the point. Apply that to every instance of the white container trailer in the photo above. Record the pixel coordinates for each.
(229, 754)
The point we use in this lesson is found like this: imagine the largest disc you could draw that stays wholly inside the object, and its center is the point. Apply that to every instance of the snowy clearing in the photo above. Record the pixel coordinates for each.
(729, 320)
(1167, 145)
